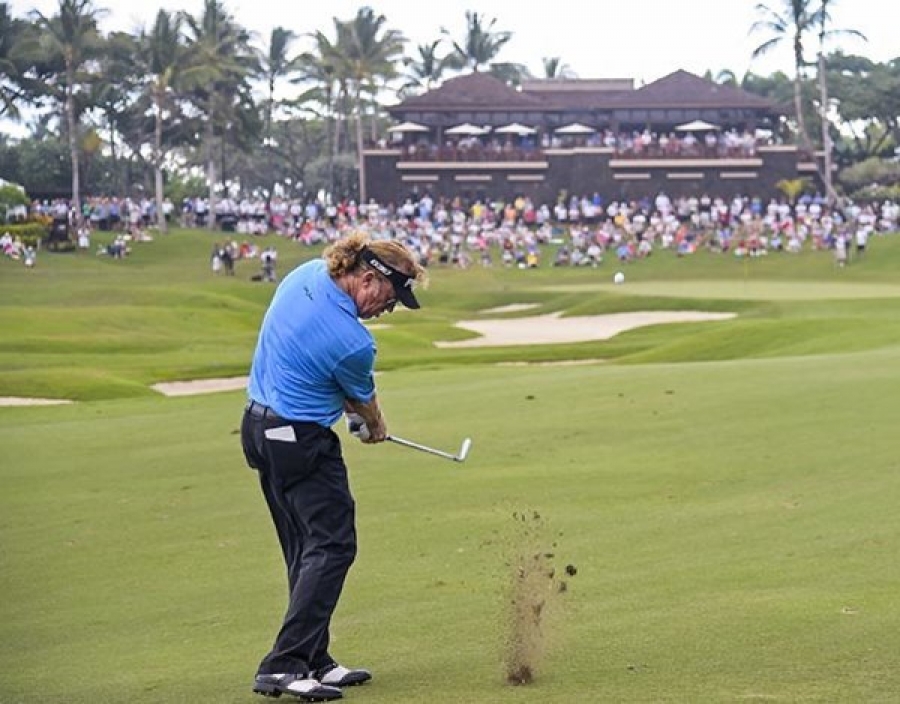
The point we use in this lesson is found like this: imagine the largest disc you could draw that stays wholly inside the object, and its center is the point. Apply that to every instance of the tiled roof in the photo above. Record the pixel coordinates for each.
(474, 90)
(483, 91)
(579, 99)
(683, 89)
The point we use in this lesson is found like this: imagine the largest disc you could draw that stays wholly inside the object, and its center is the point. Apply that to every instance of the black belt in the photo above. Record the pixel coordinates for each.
(257, 410)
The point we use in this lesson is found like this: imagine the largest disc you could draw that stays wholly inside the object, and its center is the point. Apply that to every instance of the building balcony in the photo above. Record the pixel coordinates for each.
(673, 151)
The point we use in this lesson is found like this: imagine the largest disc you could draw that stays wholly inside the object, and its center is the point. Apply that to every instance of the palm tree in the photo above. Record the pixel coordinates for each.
(425, 70)
(10, 62)
(162, 55)
(320, 69)
(788, 23)
(370, 53)
(481, 44)
(72, 34)
(510, 73)
(822, 20)
(274, 65)
(114, 93)
(220, 63)
(556, 69)
(727, 77)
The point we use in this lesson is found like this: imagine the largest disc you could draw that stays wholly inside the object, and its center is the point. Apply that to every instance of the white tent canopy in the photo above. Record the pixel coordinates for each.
(408, 127)
(574, 128)
(515, 128)
(696, 126)
(467, 128)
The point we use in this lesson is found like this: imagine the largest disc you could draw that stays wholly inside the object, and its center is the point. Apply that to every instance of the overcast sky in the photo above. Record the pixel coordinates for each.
(641, 39)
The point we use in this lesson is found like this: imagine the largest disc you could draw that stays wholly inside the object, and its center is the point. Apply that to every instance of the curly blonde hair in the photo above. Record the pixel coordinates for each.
(342, 257)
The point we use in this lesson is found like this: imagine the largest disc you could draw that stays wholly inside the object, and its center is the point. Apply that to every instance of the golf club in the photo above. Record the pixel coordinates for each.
(461, 457)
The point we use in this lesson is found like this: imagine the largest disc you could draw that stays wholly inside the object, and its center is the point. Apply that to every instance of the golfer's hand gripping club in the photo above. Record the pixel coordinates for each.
(357, 426)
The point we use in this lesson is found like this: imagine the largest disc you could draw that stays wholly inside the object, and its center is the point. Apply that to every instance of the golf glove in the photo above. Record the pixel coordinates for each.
(357, 426)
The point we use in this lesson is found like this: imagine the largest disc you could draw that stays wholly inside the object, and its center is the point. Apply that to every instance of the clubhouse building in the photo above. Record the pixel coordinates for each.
(476, 137)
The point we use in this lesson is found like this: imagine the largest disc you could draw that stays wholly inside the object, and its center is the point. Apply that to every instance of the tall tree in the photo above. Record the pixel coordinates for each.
(72, 34)
(868, 102)
(481, 43)
(320, 69)
(725, 77)
(556, 69)
(510, 73)
(113, 94)
(370, 53)
(220, 63)
(823, 19)
(424, 70)
(275, 64)
(11, 60)
(162, 55)
(789, 23)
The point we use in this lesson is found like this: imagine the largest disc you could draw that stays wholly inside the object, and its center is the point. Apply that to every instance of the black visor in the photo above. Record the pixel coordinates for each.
(402, 283)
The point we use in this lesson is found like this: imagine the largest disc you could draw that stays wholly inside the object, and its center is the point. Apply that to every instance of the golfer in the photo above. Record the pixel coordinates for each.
(314, 361)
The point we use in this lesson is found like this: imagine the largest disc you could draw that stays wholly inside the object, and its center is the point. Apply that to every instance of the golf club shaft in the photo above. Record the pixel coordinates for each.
(422, 448)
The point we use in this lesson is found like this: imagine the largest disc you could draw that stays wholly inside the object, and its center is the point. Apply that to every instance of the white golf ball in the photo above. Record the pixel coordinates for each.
(619, 278)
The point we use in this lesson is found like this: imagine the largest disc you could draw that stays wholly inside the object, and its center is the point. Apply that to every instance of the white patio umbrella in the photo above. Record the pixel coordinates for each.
(408, 127)
(574, 128)
(515, 128)
(696, 126)
(467, 128)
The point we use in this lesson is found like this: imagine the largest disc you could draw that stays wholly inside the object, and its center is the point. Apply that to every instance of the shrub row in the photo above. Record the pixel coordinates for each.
(31, 233)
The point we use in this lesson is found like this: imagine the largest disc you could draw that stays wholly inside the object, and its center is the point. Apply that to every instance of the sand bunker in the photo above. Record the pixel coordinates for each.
(18, 401)
(511, 308)
(201, 386)
(554, 329)
(534, 330)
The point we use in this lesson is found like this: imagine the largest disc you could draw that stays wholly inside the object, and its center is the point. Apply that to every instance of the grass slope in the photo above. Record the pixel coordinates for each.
(87, 327)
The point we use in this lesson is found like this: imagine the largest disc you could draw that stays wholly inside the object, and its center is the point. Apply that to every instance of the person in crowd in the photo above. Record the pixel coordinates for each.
(268, 258)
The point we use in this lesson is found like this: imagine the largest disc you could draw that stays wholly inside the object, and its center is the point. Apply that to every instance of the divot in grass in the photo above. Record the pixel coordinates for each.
(535, 589)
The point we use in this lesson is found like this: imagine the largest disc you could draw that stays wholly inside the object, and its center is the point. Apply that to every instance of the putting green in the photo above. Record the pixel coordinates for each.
(742, 290)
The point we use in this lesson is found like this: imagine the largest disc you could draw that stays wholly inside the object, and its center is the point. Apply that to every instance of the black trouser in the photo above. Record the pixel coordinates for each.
(306, 488)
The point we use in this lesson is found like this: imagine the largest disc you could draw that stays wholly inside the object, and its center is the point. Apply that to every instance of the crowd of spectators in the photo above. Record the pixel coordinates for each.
(574, 231)
(717, 144)
(107, 214)
(584, 231)
(578, 230)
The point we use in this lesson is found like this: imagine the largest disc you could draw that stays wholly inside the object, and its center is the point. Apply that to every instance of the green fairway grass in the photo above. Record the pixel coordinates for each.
(727, 490)
(84, 327)
(737, 289)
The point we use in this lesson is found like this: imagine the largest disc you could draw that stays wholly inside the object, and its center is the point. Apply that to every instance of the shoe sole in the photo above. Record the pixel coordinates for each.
(274, 691)
(267, 690)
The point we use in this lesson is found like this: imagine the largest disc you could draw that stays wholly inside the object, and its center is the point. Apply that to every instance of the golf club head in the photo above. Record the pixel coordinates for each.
(464, 450)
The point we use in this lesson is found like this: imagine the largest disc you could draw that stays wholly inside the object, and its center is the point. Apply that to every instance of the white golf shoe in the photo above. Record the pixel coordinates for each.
(306, 688)
(339, 676)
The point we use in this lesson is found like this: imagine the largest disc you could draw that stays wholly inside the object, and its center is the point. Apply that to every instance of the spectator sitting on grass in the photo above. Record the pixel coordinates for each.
(117, 249)
(623, 252)
(562, 257)
(11, 247)
(268, 259)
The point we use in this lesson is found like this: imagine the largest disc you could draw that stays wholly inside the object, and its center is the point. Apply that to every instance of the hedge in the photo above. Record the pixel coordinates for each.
(31, 233)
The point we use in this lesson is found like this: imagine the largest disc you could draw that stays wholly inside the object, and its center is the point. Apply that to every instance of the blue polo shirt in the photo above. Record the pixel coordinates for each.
(313, 351)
